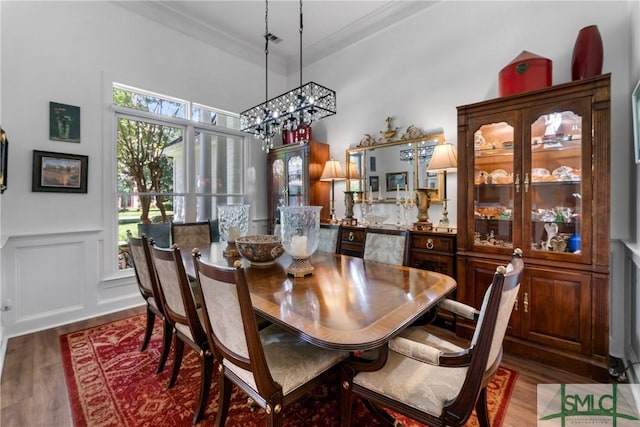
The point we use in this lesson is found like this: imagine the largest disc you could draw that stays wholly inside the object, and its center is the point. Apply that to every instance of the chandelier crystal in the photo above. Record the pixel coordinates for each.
(291, 110)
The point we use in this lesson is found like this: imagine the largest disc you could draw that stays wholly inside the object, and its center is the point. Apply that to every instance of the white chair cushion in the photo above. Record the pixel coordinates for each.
(425, 387)
(292, 361)
(328, 240)
(459, 308)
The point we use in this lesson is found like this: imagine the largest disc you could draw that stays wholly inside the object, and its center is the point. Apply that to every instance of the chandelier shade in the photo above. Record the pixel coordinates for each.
(300, 106)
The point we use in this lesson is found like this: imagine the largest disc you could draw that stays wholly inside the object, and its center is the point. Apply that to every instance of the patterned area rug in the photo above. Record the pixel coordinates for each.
(111, 383)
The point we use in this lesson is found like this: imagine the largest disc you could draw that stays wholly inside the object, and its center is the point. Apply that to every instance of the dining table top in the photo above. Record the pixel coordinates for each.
(348, 303)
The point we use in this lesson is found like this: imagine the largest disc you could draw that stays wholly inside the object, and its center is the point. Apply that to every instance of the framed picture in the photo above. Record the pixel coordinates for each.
(635, 108)
(372, 164)
(374, 183)
(64, 122)
(59, 173)
(396, 180)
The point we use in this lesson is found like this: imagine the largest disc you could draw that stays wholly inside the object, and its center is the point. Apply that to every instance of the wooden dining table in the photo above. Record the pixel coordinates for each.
(348, 303)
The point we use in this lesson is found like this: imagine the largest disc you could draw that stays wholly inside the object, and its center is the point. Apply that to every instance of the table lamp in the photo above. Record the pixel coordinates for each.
(332, 172)
(444, 159)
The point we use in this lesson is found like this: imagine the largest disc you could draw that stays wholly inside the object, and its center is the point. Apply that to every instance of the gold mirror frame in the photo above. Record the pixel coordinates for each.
(418, 145)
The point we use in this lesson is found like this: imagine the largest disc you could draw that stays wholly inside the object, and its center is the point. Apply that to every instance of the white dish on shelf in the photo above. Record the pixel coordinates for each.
(562, 170)
(540, 172)
(499, 173)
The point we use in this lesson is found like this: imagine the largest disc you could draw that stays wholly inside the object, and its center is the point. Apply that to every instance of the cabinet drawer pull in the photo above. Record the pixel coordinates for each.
(351, 237)
(517, 182)
(429, 244)
(526, 182)
(526, 302)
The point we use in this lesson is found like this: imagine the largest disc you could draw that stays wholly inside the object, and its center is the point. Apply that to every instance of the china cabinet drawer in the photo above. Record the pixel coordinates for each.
(433, 251)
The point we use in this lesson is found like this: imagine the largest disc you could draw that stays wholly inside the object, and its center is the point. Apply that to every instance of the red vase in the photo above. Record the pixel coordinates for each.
(587, 54)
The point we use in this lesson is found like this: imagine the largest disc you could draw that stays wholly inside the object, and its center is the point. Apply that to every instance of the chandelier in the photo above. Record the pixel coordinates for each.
(424, 152)
(290, 111)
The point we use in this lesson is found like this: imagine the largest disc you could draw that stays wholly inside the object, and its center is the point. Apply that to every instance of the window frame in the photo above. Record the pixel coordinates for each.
(113, 113)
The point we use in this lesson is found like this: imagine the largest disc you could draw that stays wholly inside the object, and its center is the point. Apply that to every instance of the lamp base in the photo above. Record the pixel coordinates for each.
(300, 267)
(423, 226)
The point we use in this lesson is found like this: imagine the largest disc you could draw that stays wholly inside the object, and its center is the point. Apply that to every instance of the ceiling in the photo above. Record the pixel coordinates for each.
(238, 26)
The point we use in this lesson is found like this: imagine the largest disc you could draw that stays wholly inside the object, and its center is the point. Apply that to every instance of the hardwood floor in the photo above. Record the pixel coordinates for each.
(33, 390)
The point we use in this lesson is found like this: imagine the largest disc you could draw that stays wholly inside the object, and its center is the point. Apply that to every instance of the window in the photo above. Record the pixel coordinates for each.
(175, 161)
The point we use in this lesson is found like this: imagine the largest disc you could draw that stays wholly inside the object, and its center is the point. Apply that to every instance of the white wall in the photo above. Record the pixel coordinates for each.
(418, 71)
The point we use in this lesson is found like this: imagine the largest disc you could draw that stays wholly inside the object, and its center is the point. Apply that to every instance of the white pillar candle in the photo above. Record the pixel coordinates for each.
(397, 192)
(298, 246)
(234, 233)
(370, 194)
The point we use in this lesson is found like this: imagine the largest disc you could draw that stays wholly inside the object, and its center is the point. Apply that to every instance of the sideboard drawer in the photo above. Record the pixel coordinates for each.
(432, 242)
(352, 240)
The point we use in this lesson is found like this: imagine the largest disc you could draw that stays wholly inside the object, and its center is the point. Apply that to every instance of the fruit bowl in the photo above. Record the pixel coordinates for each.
(261, 249)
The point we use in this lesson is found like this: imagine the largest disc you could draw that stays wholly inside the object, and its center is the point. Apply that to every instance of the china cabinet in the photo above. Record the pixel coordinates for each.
(293, 178)
(534, 174)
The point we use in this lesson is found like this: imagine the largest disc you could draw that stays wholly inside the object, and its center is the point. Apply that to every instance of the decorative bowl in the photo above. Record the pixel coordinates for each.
(262, 249)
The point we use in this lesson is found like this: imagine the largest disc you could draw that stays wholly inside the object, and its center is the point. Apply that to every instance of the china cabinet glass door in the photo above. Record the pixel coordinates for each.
(495, 183)
(557, 166)
(295, 193)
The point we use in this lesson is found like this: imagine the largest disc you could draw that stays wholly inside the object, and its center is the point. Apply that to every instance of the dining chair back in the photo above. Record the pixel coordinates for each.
(328, 239)
(180, 308)
(148, 286)
(432, 380)
(387, 246)
(191, 235)
(271, 365)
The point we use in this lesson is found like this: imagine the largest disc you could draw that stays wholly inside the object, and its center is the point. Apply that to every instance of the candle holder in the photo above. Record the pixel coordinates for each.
(233, 222)
(300, 235)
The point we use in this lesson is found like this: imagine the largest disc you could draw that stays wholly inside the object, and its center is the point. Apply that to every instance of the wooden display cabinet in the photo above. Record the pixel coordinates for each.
(534, 173)
(293, 179)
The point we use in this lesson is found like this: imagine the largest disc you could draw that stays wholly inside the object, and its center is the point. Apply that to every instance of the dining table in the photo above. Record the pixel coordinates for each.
(347, 303)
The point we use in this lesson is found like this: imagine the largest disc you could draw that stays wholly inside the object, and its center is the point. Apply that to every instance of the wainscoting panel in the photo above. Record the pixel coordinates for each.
(54, 279)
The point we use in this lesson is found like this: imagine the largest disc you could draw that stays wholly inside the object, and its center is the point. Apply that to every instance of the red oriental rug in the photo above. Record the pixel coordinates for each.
(111, 383)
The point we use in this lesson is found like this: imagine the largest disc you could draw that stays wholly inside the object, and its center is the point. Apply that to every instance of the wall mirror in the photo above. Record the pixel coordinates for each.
(384, 165)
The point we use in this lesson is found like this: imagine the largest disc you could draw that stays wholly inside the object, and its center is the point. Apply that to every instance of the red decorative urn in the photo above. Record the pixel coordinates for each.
(587, 54)
(526, 72)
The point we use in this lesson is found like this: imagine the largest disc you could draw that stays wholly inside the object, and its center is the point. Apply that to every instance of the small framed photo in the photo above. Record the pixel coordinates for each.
(635, 107)
(59, 172)
(396, 180)
(374, 183)
(64, 122)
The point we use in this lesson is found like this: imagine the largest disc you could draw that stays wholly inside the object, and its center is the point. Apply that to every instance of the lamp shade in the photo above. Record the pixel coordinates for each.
(444, 159)
(332, 171)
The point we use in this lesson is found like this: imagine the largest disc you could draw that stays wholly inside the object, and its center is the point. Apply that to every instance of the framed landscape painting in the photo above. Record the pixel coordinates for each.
(59, 172)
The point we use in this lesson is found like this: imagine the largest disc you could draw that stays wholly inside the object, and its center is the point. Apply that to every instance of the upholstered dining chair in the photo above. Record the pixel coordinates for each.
(432, 380)
(191, 235)
(181, 311)
(385, 246)
(148, 286)
(328, 239)
(273, 366)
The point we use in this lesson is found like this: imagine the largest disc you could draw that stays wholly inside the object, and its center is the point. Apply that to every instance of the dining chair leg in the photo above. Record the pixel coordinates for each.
(206, 371)
(346, 397)
(481, 409)
(275, 419)
(151, 317)
(224, 399)
(167, 334)
(178, 351)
